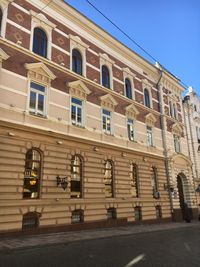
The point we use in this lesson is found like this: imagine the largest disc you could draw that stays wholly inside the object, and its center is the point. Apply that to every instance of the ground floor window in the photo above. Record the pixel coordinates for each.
(138, 213)
(158, 212)
(111, 213)
(77, 216)
(30, 221)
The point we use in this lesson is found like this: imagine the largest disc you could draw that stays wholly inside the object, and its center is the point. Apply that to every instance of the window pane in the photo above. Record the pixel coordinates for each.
(32, 104)
(38, 87)
(40, 42)
(77, 101)
(41, 103)
(106, 112)
(76, 61)
(79, 115)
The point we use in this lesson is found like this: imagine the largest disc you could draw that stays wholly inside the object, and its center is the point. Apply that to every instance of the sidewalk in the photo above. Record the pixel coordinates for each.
(63, 237)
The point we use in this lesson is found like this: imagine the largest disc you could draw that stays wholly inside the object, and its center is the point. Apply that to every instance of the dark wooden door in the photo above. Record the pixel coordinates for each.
(181, 195)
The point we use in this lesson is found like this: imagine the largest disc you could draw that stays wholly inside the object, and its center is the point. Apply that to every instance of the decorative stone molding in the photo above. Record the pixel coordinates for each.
(146, 84)
(108, 62)
(39, 72)
(78, 89)
(150, 119)
(131, 111)
(3, 56)
(108, 102)
(177, 129)
(40, 20)
(77, 43)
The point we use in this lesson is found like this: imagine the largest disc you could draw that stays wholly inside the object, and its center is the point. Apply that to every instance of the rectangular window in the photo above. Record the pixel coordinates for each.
(177, 144)
(138, 213)
(149, 136)
(158, 212)
(37, 99)
(111, 213)
(77, 112)
(130, 128)
(106, 120)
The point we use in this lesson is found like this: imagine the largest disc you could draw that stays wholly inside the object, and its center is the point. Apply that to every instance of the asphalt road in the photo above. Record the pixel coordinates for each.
(177, 247)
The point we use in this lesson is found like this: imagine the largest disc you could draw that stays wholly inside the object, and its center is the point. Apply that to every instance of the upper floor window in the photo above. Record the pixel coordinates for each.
(77, 62)
(37, 101)
(32, 174)
(40, 42)
(147, 98)
(128, 88)
(134, 180)
(76, 176)
(149, 136)
(174, 111)
(105, 76)
(154, 183)
(106, 120)
(177, 146)
(108, 178)
(1, 18)
(77, 112)
(130, 129)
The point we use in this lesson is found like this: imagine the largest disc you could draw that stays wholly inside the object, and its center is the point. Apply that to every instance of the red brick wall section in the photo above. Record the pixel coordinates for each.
(14, 34)
(19, 17)
(138, 85)
(93, 74)
(60, 57)
(92, 59)
(139, 98)
(60, 40)
(118, 87)
(118, 74)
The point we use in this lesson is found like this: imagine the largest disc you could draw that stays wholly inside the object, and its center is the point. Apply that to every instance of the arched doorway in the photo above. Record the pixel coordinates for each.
(181, 194)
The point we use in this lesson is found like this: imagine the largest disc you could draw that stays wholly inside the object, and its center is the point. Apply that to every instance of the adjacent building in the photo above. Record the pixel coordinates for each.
(91, 133)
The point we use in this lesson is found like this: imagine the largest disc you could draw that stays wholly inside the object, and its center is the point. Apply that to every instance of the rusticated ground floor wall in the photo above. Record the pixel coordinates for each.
(55, 205)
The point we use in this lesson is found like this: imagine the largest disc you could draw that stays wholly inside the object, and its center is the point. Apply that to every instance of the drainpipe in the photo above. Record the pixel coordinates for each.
(163, 128)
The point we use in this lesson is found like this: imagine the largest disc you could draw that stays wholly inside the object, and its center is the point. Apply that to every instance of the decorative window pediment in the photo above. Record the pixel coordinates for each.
(39, 72)
(173, 98)
(104, 59)
(128, 73)
(41, 20)
(77, 42)
(3, 55)
(78, 89)
(131, 111)
(150, 119)
(177, 129)
(146, 84)
(108, 102)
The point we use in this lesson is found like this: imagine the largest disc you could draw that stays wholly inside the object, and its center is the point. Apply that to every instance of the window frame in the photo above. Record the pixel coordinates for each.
(42, 42)
(130, 88)
(77, 106)
(4, 9)
(154, 183)
(80, 166)
(104, 66)
(79, 212)
(40, 162)
(134, 173)
(107, 118)
(81, 57)
(150, 141)
(177, 143)
(111, 183)
(139, 210)
(149, 98)
(131, 132)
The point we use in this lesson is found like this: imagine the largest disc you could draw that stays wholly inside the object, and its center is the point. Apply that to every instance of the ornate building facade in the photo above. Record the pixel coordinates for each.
(90, 133)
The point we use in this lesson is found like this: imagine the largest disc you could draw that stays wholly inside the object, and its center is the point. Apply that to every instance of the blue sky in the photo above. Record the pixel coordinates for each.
(168, 29)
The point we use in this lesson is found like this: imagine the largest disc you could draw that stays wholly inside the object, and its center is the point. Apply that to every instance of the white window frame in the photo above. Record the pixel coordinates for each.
(35, 111)
(4, 8)
(107, 117)
(78, 44)
(150, 141)
(40, 21)
(82, 123)
(177, 143)
(131, 136)
(105, 60)
(131, 76)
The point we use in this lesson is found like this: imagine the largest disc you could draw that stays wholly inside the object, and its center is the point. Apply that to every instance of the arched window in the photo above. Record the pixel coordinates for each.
(154, 183)
(1, 18)
(174, 111)
(40, 42)
(134, 180)
(76, 177)
(77, 62)
(32, 174)
(128, 88)
(105, 76)
(170, 109)
(147, 98)
(108, 178)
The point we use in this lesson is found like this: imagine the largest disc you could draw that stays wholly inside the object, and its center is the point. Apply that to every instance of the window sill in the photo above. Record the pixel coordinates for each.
(78, 126)
(38, 115)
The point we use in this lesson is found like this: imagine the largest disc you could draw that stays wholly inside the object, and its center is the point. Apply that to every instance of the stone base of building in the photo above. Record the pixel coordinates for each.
(178, 215)
(81, 226)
